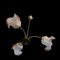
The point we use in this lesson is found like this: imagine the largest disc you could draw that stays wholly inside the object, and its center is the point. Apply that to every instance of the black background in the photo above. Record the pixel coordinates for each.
(45, 22)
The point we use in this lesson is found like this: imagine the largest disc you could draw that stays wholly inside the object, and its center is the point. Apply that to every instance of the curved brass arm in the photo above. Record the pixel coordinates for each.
(23, 31)
(34, 37)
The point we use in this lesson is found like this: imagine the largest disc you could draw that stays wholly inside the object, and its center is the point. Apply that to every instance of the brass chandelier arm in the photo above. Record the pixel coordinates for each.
(28, 28)
(23, 31)
(34, 37)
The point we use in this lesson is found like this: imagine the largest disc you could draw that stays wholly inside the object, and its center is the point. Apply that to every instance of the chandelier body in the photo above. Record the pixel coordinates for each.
(15, 22)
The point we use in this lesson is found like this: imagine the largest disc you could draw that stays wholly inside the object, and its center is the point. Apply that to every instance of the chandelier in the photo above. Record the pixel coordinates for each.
(15, 22)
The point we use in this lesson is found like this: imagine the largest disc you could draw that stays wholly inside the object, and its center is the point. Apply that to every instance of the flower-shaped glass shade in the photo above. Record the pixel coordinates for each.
(47, 41)
(14, 21)
(17, 48)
